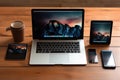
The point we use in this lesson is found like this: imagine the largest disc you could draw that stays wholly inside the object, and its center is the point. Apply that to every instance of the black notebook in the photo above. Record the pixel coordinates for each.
(16, 51)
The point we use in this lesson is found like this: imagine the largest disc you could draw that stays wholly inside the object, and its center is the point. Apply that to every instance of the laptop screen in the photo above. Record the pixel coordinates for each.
(57, 23)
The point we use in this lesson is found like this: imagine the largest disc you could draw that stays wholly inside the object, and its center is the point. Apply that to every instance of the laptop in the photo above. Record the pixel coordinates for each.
(57, 37)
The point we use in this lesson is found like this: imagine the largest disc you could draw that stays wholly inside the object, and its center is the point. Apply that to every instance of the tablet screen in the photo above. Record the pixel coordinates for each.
(101, 32)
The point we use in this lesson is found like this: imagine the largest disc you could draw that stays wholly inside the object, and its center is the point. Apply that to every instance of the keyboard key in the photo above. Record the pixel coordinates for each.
(57, 47)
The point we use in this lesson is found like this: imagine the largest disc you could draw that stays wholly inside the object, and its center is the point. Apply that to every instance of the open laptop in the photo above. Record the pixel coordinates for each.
(58, 37)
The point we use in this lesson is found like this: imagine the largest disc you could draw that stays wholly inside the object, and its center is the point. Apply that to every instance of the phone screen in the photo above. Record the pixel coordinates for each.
(92, 56)
(108, 59)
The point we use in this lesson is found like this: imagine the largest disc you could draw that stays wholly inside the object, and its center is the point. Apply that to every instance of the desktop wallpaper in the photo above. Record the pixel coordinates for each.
(101, 32)
(58, 24)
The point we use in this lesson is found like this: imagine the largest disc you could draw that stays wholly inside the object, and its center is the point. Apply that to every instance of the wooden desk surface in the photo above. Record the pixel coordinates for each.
(20, 70)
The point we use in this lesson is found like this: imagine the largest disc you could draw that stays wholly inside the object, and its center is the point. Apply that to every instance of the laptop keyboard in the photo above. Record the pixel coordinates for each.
(58, 47)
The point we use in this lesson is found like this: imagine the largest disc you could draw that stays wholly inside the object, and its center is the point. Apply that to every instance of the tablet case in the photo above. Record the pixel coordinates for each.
(16, 51)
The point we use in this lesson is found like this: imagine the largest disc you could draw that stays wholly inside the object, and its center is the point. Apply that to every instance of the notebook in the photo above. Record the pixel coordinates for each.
(57, 37)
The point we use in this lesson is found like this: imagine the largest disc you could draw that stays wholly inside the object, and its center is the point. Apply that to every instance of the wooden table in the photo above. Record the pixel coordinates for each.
(20, 70)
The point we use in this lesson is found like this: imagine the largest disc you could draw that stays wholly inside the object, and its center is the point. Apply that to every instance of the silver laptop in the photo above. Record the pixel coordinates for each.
(58, 37)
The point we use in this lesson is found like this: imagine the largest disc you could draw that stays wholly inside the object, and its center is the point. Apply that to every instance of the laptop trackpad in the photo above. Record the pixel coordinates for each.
(61, 58)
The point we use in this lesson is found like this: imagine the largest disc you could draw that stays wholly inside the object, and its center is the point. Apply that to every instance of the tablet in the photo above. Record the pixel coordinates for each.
(100, 32)
(16, 51)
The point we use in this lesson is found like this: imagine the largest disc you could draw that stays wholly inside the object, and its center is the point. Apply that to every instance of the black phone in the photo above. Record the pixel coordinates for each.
(108, 61)
(92, 56)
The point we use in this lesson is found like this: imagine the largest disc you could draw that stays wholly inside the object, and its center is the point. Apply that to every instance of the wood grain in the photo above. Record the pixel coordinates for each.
(21, 70)
(59, 3)
(58, 73)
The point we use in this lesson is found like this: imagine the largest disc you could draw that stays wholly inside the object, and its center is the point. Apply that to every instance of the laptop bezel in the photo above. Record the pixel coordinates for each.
(58, 38)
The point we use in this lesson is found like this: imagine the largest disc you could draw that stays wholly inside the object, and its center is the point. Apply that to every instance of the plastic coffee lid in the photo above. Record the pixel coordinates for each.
(17, 24)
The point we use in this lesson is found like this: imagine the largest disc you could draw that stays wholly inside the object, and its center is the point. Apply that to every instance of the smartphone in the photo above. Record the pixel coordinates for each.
(108, 61)
(92, 56)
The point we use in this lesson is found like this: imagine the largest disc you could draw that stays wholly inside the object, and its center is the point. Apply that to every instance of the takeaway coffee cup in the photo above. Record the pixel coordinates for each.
(17, 29)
